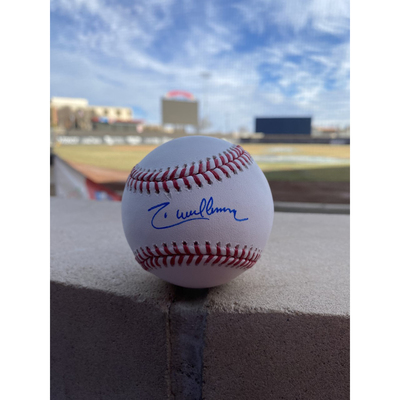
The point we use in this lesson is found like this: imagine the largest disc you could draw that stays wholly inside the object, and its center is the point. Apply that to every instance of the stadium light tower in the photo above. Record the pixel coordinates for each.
(206, 76)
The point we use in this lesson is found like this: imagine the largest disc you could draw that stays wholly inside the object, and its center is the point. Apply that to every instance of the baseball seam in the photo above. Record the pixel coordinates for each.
(218, 255)
(198, 174)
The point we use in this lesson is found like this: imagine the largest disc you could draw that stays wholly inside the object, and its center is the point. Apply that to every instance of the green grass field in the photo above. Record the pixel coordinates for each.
(282, 162)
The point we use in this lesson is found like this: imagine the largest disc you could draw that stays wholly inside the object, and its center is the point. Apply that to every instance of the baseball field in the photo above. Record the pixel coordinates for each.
(281, 162)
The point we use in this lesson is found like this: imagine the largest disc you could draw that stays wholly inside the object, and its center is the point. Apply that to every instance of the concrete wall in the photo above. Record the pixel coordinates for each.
(279, 331)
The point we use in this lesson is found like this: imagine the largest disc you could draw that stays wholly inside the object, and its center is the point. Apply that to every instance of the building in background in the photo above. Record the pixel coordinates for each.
(118, 113)
(76, 114)
(73, 103)
(345, 132)
(332, 132)
(53, 117)
(104, 124)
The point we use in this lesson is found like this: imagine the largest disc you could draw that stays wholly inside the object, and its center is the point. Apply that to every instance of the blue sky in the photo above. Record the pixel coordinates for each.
(265, 58)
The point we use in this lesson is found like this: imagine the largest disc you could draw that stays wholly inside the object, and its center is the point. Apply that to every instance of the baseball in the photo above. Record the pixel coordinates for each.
(197, 211)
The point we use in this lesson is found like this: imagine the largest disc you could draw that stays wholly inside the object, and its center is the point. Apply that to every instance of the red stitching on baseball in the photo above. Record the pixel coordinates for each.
(187, 183)
(165, 186)
(173, 174)
(174, 255)
(234, 158)
(238, 166)
(229, 165)
(166, 249)
(197, 249)
(164, 177)
(207, 178)
(176, 185)
(197, 180)
(217, 177)
(228, 156)
(235, 254)
(182, 174)
(199, 258)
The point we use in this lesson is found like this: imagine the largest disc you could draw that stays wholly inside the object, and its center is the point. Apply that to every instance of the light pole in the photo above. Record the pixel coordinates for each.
(205, 75)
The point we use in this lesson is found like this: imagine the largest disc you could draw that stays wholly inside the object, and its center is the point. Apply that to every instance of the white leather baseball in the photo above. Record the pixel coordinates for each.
(197, 211)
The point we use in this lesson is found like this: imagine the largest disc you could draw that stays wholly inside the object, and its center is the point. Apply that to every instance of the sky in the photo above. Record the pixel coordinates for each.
(264, 58)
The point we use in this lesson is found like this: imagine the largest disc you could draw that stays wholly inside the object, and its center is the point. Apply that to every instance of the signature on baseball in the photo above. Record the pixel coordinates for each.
(204, 211)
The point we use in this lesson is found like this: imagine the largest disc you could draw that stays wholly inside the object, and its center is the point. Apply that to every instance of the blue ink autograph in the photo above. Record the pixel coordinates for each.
(205, 210)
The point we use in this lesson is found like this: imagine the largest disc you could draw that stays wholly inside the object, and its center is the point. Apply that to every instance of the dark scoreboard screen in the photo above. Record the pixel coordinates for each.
(284, 126)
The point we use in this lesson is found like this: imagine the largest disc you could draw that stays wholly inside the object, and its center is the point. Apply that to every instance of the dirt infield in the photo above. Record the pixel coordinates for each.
(100, 174)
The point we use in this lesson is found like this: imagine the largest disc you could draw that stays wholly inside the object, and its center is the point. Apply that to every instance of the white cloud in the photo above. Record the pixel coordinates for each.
(330, 16)
(113, 63)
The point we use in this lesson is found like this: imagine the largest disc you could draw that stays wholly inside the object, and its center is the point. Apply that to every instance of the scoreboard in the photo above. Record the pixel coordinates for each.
(284, 126)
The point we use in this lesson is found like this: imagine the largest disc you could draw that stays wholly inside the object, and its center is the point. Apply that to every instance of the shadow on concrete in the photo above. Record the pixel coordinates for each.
(105, 346)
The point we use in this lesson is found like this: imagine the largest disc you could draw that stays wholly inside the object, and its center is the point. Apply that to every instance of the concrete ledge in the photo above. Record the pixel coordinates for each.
(280, 330)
